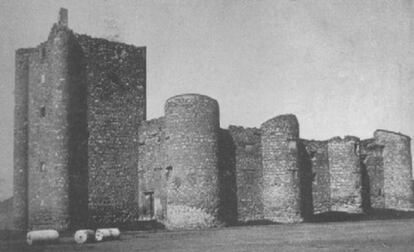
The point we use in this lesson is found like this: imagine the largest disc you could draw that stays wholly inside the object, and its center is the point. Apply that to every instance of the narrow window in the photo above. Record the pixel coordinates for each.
(356, 148)
(168, 173)
(314, 178)
(249, 178)
(42, 53)
(42, 167)
(42, 111)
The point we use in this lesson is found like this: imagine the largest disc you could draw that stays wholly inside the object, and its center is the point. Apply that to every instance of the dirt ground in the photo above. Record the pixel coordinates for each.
(377, 235)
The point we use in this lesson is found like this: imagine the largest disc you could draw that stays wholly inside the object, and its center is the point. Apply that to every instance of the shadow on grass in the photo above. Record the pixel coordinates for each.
(372, 214)
(255, 223)
(6, 234)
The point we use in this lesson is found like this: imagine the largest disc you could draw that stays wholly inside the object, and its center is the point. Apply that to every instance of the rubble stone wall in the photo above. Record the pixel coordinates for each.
(228, 200)
(317, 154)
(373, 168)
(116, 102)
(345, 175)
(152, 171)
(21, 128)
(249, 172)
(48, 137)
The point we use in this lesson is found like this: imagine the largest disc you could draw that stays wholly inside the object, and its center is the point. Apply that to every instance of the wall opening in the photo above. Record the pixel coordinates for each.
(168, 173)
(249, 178)
(148, 207)
(42, 53)
(42, 167)
(42, 111)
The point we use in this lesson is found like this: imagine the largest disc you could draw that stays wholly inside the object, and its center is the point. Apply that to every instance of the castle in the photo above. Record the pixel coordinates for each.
(85, 155)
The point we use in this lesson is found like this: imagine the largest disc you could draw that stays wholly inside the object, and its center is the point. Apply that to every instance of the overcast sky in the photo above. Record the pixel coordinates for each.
(343, 67)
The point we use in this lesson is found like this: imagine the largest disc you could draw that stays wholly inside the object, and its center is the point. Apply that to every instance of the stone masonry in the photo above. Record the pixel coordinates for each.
(85, 156)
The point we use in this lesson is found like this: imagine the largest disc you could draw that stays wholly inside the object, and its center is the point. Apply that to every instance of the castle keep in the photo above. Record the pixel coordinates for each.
(85, 155)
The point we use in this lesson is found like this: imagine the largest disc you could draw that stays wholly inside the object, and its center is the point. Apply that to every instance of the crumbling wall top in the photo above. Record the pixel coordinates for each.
(390, 134)
(287, 123)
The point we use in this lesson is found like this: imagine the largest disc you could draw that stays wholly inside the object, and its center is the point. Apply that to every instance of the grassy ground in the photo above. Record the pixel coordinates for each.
(366, 235)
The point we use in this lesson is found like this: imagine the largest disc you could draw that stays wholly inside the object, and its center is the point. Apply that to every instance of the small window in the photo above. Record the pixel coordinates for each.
(314, 178)
(249, 178)
(356, 148)
(42, 53)
(42, 167)
(168, 173)
(42, 111)
(42, 78)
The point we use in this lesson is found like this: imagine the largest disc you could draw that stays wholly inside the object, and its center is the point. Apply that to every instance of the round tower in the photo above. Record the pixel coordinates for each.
(192, 124)
(397, 167)
(281, 182)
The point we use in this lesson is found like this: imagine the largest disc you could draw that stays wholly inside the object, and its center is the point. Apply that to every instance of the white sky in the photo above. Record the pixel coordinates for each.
(344, 67)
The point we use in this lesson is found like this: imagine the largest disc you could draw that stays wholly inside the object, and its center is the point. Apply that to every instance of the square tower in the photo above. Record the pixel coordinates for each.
(79, 101)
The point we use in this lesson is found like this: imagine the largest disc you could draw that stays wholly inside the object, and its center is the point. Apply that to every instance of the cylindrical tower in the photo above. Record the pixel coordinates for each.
(192, 124)
(281, 181)
(397, 190)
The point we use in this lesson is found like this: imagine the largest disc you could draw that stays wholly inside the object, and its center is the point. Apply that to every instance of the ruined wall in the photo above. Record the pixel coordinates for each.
(20, 207)
(397, 191)
(116, 104)
(192, 126)
(227, 210)
(372, 170)
(345, 174)
(281, 183)
(249, 172)
(152, 171)
(317, 156)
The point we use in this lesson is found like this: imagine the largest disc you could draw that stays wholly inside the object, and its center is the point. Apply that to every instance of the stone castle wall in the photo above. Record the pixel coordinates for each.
(116, 104)
(49, 155)
(21, 130)
(249, 172)
(317, 154)
(228, 199)
(345, 175)
(372, 167)
(152, 170)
